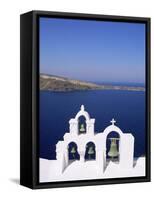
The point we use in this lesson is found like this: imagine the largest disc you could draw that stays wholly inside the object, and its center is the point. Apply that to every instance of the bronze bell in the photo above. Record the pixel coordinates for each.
(113, 152)
(90, 152)
(82, 128)
(73, 151)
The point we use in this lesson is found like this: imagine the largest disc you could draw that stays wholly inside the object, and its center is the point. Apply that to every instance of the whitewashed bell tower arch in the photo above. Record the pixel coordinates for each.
(74, 122)
(126, 145)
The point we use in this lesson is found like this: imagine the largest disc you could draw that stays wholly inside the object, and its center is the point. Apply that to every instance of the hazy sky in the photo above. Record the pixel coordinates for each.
(93, 50)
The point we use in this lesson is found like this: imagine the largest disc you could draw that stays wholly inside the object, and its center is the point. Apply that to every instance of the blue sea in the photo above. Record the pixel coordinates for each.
(56, 109)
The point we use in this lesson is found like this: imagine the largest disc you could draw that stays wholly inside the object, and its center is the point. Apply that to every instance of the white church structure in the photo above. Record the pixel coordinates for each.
(82, 143)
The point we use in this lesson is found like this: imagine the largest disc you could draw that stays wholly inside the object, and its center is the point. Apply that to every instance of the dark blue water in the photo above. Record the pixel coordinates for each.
(56, 108)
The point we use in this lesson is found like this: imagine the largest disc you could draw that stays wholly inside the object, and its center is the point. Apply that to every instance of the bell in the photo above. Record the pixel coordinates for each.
(90, 152)
(113, 152)
(82, 129)
(73, 151)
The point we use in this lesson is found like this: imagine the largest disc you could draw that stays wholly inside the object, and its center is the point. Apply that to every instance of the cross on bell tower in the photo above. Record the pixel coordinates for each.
(113, 121)
(82, 107)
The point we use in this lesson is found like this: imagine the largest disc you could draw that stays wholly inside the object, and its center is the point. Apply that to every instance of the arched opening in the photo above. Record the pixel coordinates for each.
(73, 151)
(112, 147)
(82, 125)
(90, 153)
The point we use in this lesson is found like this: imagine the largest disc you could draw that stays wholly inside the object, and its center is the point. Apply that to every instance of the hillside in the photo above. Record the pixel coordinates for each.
(56, 83)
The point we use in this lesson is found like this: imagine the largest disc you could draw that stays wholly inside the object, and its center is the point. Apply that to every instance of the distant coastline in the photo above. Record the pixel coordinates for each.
(62, 84)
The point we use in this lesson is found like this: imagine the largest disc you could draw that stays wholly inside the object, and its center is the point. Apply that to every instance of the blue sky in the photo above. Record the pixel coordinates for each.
(93, 50)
